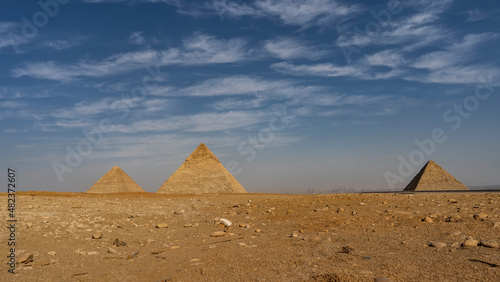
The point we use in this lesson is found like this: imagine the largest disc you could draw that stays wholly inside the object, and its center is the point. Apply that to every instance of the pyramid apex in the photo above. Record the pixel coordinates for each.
(202, 172)
(433, 177)
(115, 181)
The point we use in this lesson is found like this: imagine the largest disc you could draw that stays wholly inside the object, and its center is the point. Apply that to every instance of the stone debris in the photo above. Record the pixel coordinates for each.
(179, 212)
(295, 234)
(481, 216)
(119, 243)
(437, 244)
(225, 222)
(382, 279)
(52, 253)
(97, 235)
(470, 242)
(112, 251)
(427, 219)
(25, 258)
(489, 243)
(218, 234)
(162, 225)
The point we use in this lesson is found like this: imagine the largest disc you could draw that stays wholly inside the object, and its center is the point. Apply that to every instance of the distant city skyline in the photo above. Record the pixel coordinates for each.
(291, 96)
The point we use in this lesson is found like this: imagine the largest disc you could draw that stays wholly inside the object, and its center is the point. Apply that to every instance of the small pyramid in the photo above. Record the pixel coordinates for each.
(202, 172)
(115, 181)
(432, 177)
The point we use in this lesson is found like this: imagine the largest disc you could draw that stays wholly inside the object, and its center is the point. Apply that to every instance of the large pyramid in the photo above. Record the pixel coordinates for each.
(432, 177)
(115, 181)
(202, 172)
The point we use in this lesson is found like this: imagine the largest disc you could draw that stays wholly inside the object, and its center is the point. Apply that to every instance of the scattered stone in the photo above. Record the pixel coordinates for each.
(242, 244)
(295, 234)
(347, 249)
(241, 224)
(118, 243)
(258, 230)
(455, 245)
(248, 211)
(427, 219)
(188, 225)
(162, 225)
(489, 243)
(452, 201)
(52, 253)
(92, 253)
(112, 251)
(97, 235)
(496, 225)
(437, 244)
(454, 218)
(179, 212)
(289, 212)
(25, 258)
(340, 210)
(247, 226)
(218, 234)
(225, 222)
(470, 243)
(175, 247)
(481, 216)
(382, 279)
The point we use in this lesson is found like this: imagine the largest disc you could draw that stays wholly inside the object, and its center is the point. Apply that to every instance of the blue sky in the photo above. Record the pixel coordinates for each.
(290, 95)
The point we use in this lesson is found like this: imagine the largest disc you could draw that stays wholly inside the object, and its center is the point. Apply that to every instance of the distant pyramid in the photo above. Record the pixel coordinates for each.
(115, 181)
(432, 177)
(202, 172)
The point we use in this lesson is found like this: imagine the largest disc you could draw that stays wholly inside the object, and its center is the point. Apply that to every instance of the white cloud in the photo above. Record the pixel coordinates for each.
(390, 58)
(476, 15)
(199, 49)
(413, 31)
(458, 53)
(294, 12)
(202, 122)
(232, 85)
(136, 38)
(325, 69)
(288, 48)
(61, 44)
(451, 65)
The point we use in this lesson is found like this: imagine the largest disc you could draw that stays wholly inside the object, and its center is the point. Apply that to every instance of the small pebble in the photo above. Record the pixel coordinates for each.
(162, 225)
(97, 235)
(489, 244)
(437, 244)
(218, 234)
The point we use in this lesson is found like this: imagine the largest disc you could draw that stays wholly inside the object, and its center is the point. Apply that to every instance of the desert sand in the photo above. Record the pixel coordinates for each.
(339, 237)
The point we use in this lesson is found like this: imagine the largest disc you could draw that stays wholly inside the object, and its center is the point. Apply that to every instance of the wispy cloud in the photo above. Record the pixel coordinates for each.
(136, 38)
(62, 44)
(289, 48)
(453, 64)
(413, 31)
(325, 69)
(301, 13)
(476, 15)
(199, 49)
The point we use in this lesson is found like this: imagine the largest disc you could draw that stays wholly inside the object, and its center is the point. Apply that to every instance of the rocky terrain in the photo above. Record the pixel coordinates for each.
(339, 237)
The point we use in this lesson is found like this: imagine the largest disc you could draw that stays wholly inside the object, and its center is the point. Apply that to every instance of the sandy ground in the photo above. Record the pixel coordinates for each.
(341, 237)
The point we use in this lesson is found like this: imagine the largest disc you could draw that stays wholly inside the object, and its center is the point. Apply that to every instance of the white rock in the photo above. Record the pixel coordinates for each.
(225, 222)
